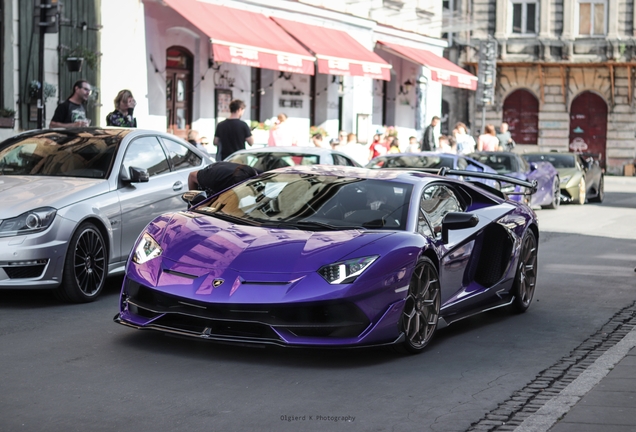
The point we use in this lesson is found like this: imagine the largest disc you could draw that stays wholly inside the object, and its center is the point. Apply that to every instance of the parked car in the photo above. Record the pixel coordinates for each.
(513, 165)
(74, 201)
(332, 256)
(581, 177)
(432, 160)
(269, 158)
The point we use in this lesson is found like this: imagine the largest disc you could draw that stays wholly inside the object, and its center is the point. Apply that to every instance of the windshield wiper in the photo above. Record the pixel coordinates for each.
(306, 223)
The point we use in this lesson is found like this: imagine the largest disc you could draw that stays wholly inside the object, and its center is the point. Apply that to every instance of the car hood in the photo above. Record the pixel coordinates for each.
(211, 243)
(568, 172)
(19, 194)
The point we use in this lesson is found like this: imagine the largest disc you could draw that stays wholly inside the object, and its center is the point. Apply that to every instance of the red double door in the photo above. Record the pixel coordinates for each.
(588, 125)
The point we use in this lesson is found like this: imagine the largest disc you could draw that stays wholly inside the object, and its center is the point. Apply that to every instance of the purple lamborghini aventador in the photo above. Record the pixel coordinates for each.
(332, 256)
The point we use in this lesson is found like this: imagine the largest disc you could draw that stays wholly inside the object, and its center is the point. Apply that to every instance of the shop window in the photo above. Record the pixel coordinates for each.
(178, 90)
(521, 112)
(524, 17)
(592, 17)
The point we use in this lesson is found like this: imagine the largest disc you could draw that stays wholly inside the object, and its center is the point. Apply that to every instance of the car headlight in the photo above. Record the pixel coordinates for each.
(565, 179)
(345, 272)
(146, 249)
(27, 223)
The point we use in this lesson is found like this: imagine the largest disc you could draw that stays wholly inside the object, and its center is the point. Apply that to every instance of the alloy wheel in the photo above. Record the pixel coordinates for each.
(89, 262)
(526, 278)
(421, 309)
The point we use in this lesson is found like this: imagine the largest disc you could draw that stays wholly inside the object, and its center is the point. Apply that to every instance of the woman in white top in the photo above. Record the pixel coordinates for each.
(465, 142)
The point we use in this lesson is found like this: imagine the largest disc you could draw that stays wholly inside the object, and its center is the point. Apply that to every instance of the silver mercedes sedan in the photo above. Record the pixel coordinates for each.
(73, 202)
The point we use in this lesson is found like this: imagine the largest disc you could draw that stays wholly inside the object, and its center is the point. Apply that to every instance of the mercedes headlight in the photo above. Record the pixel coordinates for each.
(146, 249)
(27, 223)
(345, 272)
(565, 179)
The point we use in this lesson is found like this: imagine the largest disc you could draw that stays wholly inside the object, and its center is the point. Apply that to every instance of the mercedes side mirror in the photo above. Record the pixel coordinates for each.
(457, 221)
(138, 175)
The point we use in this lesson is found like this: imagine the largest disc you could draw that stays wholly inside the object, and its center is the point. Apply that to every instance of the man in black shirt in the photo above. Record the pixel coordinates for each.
(220, 176)
(71, 112)
(428, 139)
(232, 133)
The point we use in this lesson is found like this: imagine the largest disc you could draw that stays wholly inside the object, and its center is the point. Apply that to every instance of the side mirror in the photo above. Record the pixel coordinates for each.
(533, 166)
(457, 221)
(194, 197)
(138, 175)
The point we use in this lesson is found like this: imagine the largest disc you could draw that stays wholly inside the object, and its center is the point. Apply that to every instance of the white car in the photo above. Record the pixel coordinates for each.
(269, 158)
(74, 201)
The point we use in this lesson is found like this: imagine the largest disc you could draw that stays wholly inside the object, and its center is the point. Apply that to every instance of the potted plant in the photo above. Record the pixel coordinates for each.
(34, 87)
(80, 55)
(7, 118)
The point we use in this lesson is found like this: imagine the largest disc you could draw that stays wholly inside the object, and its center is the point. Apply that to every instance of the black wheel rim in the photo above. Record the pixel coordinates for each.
(421, 310)
(89, 262)
(527, 270)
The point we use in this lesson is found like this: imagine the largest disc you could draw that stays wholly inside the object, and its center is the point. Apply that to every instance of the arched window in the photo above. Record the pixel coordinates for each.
(521, 112)
(178, 90)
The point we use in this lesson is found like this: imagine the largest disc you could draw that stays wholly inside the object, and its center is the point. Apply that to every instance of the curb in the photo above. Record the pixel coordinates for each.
(543, 401)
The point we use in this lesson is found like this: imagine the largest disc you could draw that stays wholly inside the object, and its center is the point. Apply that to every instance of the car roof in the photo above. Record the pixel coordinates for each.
(400, 175)
(425, 153)
(288, 149)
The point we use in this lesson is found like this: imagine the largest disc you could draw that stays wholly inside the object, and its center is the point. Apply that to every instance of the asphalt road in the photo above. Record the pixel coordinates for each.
(69, 367)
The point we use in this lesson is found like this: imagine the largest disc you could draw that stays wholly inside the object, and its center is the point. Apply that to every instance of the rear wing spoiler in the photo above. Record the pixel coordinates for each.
(444, 171)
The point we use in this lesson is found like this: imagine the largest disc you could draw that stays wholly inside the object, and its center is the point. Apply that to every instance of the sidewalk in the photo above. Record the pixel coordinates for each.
(603, 398)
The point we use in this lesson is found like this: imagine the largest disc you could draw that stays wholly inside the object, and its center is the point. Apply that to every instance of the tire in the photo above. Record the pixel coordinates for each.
(421, 309)
(601, 192)
(526, 278)
(85, 266)
(582, 192)
(556, 195)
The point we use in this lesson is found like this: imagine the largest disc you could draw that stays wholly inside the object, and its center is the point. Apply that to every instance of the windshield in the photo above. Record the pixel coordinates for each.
(557, 160)
(500, 162)
(267, 161)
(411, 162)
(60, 154)
(315, 202)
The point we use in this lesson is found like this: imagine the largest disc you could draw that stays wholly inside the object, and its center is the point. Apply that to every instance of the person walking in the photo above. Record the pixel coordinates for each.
(124, 107)
(465, 142)
(71, 112)
(280, 134)
(193, 138)
(317, 141)
(428, 139)
(488, 140)
(505, 138)
(357, 152)
(232, 133)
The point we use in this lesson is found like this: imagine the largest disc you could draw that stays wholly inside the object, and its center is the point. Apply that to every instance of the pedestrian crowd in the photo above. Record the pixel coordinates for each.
(233, 134)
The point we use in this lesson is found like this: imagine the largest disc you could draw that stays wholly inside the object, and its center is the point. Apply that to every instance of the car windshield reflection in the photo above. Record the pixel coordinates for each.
(314, 202)
(267, 161)
(557, 160)
(60, 154)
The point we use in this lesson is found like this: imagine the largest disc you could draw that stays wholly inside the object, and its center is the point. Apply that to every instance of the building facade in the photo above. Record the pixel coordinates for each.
(565, 73)
(352, 66)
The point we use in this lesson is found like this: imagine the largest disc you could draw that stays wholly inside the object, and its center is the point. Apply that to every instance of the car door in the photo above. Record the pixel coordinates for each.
(142, 202)
(436, 201)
